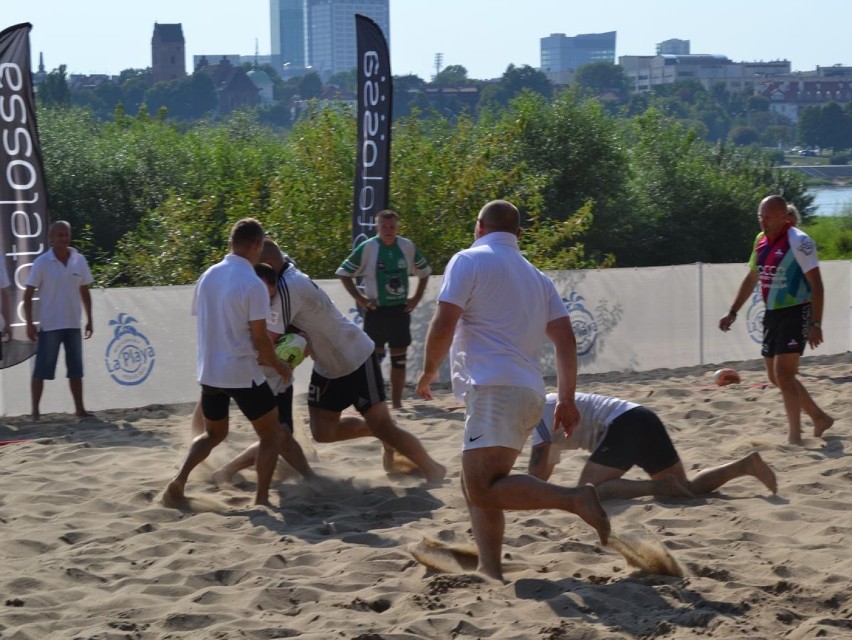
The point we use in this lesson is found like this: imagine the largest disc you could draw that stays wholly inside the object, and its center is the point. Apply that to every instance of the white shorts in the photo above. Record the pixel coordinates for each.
(500, 416)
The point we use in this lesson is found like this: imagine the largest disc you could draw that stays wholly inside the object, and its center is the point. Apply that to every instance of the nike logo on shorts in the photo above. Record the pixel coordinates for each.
(472, 439)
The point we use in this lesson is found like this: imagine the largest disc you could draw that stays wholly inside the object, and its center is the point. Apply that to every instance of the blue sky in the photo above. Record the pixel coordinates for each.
(106, 36)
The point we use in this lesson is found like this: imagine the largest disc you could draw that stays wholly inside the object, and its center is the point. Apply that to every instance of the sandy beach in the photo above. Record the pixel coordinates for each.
(90, 552)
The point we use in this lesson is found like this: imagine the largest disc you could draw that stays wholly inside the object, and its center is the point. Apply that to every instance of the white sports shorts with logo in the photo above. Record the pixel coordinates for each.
(500, 416)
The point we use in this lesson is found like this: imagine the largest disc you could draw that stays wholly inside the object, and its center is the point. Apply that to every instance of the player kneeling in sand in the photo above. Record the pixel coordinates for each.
(621, 434)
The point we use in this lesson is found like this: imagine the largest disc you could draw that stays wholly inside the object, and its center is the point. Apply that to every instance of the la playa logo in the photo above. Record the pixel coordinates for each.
(583, 322)
(754, 317)
(129, 356)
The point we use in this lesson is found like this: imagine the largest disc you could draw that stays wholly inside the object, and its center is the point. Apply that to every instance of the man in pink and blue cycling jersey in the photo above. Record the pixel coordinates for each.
(784, 263)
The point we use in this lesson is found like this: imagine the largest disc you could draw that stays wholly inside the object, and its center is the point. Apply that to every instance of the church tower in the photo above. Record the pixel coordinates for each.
(168, 57)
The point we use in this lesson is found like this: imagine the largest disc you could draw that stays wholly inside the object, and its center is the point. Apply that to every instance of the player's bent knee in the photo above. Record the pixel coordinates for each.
(398, 362)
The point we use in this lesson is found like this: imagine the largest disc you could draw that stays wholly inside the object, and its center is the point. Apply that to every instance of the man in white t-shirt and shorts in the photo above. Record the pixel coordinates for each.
(620, 434)
(231, 305)
(346, 371)
(496, 308)
(290, 448)
(62, 278)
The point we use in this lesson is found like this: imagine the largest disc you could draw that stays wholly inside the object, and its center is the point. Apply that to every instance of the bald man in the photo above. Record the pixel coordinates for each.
(496, 308)
(784, 263)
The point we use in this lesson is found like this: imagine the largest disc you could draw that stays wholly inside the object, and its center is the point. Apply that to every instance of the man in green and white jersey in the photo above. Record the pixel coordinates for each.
(384, 263)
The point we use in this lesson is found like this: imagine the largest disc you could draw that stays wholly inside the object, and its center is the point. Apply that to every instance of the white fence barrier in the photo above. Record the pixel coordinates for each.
(143, 348)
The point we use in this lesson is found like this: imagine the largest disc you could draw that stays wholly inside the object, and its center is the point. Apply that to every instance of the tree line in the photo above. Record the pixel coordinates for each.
(151, 200)
(716, 114)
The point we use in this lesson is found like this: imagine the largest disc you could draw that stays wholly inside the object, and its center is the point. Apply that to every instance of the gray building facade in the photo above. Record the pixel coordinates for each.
(319, 35)
(561, 53)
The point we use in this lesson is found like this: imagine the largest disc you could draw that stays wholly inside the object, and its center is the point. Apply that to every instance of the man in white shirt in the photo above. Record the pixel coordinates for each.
(231, 305)
(496, 308)
(346, 371)
(620, 434)
(62, 278)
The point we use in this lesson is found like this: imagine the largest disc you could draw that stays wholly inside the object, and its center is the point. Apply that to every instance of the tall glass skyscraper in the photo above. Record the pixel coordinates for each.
(321, 33)
(287, 19)
(561, 53)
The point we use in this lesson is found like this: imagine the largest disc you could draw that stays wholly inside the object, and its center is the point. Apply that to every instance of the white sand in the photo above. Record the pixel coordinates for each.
(87, 551)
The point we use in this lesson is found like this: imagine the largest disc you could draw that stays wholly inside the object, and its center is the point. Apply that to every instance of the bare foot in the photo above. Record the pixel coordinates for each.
(792, 440)
(587, 505)
(492, 576)
(82, 413)
(36, 416)
(174, 490)
(387, 459)
(435, 473)
(670, 485)
(760, 470)
(222, 477)
(822, 424)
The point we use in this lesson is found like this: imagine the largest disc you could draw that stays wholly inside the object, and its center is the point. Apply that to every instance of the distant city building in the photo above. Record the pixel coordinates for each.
(789, 94)
(673, 47)
(168, 56)
(287, 20)
(234, 58)
(264, 84)
(216, 58)
(319, 35)
(644, 72)
(561, 55)
(234, 88)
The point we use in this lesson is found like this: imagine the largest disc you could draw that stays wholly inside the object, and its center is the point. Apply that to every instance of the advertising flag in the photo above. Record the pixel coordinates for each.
(23, 197)
(375, 90)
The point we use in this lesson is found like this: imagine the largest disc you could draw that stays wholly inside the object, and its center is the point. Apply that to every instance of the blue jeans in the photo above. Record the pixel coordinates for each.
(48, 353)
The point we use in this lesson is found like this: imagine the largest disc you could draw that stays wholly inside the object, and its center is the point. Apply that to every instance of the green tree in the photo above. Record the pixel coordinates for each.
(601, 77)
(515, 80)
(697, 201)
(744, 136)
(345, 80)
(310, 86)
(576, 148)
(452, 74)
(54, 90)
(405, 90)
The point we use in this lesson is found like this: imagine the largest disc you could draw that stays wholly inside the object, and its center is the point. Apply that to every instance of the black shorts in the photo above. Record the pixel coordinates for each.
(389, 326)
(253, 402)
(785, 330)
(363, 388)
(284, 400)
(636, 437)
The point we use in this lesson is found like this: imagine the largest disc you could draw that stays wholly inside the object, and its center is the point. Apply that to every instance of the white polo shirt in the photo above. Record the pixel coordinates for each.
(60, 305)
(506, 305)
(227, 297)
(596, 414)
(339, 346)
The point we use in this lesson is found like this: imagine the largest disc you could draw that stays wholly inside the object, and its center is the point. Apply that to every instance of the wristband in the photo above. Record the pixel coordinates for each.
(732, 313)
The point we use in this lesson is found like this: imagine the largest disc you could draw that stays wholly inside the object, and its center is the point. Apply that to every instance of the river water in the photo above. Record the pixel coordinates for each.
(830, 201)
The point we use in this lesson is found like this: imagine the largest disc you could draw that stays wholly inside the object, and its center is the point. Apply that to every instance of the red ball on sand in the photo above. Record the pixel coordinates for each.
(726, 376)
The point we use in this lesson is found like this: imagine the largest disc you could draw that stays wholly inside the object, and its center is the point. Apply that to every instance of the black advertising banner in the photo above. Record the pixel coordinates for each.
(375, 90)
(23, 197)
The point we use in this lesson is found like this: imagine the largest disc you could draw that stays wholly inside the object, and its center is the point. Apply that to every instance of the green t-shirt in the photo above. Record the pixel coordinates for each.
(387, 280)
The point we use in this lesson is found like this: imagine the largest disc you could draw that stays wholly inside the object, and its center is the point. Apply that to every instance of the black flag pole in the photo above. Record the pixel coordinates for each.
(23, 196)
(375, 92)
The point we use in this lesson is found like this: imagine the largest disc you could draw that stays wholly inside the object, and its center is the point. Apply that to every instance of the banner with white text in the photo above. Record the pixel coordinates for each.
(375, 91)
(23, 197)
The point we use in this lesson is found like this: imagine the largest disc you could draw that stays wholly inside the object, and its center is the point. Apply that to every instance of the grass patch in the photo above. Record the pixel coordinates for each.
(832, 234)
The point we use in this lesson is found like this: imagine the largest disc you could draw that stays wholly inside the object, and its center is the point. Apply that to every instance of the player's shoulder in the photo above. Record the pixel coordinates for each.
(297, 280)
(801, 241)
